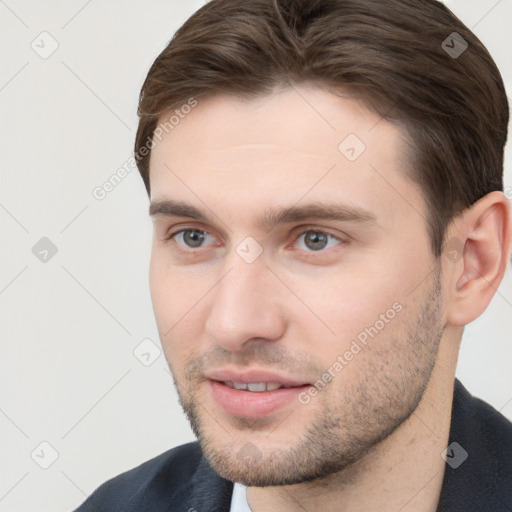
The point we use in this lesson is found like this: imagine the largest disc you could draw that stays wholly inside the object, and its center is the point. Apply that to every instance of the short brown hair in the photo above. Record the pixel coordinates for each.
(394, 54)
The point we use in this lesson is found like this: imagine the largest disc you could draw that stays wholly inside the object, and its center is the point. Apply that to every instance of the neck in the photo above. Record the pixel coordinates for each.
(402, 473)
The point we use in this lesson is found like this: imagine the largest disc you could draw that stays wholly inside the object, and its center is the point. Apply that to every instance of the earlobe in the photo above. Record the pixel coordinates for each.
(483, 238)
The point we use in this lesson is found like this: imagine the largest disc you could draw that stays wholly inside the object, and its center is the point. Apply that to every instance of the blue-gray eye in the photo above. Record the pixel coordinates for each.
(192, 238)
(316, 241)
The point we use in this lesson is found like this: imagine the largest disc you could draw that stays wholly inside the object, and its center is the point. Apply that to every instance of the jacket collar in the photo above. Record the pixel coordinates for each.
(206, 491)
(484, 440)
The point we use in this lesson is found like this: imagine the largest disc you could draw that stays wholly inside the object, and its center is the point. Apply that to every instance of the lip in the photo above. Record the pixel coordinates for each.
(254, 375)
(248, 404)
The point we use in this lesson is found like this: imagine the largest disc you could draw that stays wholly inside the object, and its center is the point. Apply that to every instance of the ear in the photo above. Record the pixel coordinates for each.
(477, 255)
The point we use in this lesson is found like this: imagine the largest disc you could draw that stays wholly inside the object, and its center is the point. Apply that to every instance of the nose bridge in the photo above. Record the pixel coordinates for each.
(243, 307)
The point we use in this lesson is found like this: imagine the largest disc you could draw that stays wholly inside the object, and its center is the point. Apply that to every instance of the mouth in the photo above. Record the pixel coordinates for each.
(255, 387)
(253, 394)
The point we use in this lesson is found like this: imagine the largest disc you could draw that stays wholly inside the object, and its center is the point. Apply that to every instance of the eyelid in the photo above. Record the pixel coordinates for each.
(302, 230)
(176, 229)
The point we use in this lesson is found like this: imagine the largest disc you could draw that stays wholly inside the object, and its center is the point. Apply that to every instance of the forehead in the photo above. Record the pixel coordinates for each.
(297, 144)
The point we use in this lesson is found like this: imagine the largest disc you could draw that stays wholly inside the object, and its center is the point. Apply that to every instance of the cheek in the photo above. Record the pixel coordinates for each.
(179, 306)
(369, 338)
(163, 292)
(173, 292)
(342, 300)
(361, 303)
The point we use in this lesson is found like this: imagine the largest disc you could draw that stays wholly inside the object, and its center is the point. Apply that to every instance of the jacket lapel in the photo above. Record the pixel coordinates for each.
(206, 491)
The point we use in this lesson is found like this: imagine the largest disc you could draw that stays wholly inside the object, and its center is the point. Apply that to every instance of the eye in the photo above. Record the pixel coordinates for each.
(192, 238)
(316, 241)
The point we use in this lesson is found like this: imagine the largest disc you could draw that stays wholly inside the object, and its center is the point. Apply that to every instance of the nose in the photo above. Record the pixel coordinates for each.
(245, 306)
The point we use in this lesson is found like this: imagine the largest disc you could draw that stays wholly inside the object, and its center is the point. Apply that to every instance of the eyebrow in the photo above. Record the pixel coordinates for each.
(272, 216)
(316, 211)
(169, 208)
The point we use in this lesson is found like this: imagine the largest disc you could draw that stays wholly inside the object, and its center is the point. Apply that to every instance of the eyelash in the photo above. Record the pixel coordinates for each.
(172, 236)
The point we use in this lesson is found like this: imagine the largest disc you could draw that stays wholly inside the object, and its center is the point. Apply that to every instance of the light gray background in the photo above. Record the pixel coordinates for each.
(70, 324)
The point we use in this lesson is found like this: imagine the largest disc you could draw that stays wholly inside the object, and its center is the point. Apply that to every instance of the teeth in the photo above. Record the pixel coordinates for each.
(256, 387)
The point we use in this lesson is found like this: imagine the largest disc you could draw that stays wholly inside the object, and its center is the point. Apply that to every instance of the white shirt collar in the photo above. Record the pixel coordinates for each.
(239, 500)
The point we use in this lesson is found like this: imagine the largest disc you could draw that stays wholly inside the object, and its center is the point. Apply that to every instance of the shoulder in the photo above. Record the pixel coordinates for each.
(479, 474)
(175, 475)
(484, 427)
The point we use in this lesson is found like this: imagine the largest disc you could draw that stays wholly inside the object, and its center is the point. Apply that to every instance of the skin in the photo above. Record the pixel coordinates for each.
(372, 437)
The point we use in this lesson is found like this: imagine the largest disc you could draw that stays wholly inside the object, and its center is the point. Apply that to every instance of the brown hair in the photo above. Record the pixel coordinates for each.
(394, 54)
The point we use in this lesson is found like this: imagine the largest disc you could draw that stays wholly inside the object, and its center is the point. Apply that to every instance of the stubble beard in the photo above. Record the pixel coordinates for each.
(389, 387)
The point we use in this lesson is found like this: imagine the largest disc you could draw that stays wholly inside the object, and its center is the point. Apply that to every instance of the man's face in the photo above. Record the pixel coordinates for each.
(287, 253)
